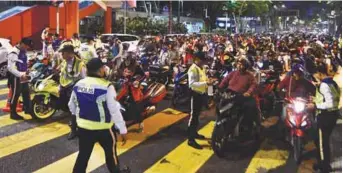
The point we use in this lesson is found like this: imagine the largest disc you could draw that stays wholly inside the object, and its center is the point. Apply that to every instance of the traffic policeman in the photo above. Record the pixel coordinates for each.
(18, 78)
(198, 84)
(87, 50)
(326, 103)
(93, 104)
(72, 70)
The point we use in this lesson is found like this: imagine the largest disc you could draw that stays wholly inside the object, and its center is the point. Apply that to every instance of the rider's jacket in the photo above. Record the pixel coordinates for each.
(93, 103)
(197, 79)
(71, 71)
(327, 95)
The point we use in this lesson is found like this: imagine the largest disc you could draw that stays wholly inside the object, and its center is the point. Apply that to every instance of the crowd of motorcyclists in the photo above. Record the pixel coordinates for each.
(263, 68)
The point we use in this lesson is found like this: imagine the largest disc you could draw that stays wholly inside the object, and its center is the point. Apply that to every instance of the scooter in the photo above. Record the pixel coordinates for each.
(231, 125)
(297, 121)
(132, 92)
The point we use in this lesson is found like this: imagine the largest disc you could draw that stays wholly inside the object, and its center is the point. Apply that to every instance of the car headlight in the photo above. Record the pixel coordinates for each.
(299, 106)
(304, 123)
(41, 87)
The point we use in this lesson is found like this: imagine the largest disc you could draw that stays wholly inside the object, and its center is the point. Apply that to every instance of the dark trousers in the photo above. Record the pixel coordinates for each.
(250, 109)
(65, 94)
(197, 101)
(17, 90)
(87, 139)
(326, 122)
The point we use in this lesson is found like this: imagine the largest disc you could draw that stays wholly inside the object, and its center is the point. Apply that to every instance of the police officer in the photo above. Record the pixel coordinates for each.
(18, 78)
(72, 70)
(198, 84)
(87, 50)
(94, 105)
(326, 104)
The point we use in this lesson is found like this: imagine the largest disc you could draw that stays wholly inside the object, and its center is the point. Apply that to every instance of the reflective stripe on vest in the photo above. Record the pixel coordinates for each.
(200, 77)
(67, 78)
(319, 99)
(92, 111)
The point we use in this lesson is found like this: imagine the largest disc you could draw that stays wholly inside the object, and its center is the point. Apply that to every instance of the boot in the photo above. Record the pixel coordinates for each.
(73, 127)
(14, 115)
(194, 144)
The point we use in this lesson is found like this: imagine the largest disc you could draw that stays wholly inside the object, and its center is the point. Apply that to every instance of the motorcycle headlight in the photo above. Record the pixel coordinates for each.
(292, 121)
(304, 123)
(299, 106)
(41, 87)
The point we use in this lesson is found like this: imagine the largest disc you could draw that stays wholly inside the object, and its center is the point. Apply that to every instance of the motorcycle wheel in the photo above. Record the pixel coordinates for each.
(218, 140)
(297, 148)
(42, 111)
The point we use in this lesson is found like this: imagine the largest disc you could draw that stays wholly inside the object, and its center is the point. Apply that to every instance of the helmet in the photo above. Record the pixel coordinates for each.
(297, 68)
(245, 62)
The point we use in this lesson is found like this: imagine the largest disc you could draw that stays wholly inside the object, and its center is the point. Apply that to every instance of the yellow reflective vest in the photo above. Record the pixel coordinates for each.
(69, 78)
(200, 76)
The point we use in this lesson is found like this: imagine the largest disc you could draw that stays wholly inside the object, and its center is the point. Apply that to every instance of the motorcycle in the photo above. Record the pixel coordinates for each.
(231, 125)
(181, 92)
(132, 91)
(298, 121)
(46, 98)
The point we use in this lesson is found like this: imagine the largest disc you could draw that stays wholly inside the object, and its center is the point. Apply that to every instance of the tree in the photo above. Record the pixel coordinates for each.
(239, 8)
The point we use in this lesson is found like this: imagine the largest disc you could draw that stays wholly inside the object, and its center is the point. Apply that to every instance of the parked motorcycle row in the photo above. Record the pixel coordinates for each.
(145, 90)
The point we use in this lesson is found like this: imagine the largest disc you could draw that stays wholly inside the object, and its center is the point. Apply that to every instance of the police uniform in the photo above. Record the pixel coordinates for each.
(71, 72)
(326, 101)
(87, 52)
(17, 67)
(198, 85)
(96, 110)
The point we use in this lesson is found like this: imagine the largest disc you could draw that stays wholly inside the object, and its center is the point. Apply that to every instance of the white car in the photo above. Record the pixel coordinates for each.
(4, 49)
(131, 40)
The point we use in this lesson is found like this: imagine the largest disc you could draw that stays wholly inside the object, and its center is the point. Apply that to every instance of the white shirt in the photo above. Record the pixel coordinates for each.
(328, 103)
(112, 105)
(11, 63)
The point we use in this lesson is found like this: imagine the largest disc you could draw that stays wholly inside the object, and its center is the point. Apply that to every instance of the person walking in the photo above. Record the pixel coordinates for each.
(94, 105)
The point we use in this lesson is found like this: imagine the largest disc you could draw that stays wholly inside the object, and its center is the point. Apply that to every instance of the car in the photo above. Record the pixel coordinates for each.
(131, 40)
(4, 49)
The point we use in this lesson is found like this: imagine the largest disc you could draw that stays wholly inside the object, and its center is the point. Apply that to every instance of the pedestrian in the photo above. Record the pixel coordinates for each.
(44, 37)
(18, 77)
(326, 103)
(198, 83)
(87, 50)
(72, 70)
(76, 42)
(94, 105)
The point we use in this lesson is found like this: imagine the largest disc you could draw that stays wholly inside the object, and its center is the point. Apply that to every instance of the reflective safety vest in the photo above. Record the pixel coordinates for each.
(92, 112)
(86, 52)
(200, 77)
(334, 89)
(69, 78)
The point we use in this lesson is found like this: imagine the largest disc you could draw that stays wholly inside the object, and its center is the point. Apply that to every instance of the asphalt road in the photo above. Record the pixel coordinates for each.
(31, 146)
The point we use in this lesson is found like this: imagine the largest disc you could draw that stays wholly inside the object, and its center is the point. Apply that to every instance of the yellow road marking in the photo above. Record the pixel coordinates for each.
(152, 125)
(4, 91)
(23, 140)
(185, 158)
(3, 82)
(266, 158)
(5, 120)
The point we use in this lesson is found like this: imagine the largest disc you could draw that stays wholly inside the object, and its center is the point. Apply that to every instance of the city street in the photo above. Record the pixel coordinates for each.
(31, 146)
